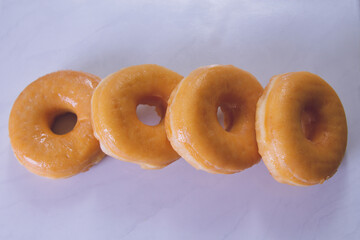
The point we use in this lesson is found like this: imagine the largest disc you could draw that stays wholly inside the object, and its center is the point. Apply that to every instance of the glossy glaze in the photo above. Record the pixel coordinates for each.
(192, 125)
(39, 149)
(122, 135)
(301, 129)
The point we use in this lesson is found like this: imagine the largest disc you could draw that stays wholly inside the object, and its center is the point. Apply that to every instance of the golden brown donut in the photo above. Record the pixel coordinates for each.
(121, 134)
(39, 149)
(301, 129)
(191, 119)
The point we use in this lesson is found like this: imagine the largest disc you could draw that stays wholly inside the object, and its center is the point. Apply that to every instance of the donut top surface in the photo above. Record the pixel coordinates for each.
(194, 129)
(121, 134)
(35, 145)
(302, 130)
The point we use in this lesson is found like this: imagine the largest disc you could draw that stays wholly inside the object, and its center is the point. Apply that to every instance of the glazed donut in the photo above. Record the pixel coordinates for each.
(34, 144)
(301, 129)
(121, 134)
(191, 119)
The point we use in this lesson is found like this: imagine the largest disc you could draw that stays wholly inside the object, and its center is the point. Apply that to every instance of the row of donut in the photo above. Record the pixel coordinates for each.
(297, 124)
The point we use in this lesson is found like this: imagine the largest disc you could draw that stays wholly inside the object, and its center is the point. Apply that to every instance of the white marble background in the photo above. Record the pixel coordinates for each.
(118, 200)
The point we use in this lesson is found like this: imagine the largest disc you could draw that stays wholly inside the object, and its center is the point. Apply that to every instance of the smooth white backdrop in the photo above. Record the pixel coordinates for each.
(118, 200)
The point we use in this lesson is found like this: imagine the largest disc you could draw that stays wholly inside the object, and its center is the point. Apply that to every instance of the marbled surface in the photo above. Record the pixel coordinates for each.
(118, 200)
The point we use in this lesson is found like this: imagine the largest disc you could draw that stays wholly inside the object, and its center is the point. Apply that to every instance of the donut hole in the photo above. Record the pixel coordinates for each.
(151, 110)
(225, 117)
(220, 117)
(309, 122)
(64, 123)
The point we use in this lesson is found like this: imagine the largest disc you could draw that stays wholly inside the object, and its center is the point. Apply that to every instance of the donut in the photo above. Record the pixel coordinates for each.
(301, 129)
(35, 145)
(116, 125)
(191, 119)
